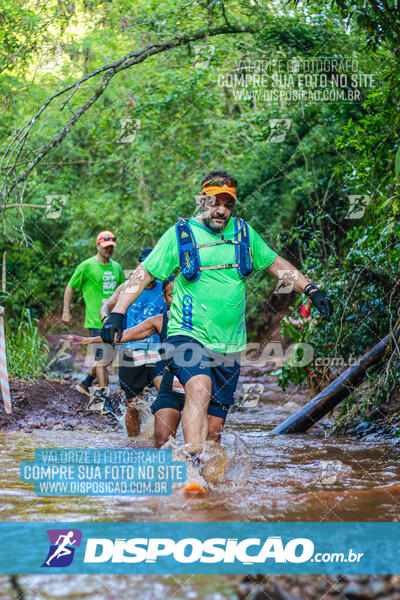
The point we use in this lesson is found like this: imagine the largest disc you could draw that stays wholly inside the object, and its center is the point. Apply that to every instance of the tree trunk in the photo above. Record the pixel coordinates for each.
(339, 389)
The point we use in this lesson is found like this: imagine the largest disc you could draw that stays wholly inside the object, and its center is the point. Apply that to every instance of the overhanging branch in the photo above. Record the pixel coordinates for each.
(12, 153)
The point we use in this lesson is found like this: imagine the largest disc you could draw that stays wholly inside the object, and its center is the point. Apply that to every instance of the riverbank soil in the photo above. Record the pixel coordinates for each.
(52, 405)
(56, 404)
(370, 418)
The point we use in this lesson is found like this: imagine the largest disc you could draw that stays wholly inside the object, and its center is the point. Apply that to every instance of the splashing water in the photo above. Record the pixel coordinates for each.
(218, 467)
(233, 468)
(142, 403)
(146, 417)
(180, 451)
(297, 477)
(240, 465)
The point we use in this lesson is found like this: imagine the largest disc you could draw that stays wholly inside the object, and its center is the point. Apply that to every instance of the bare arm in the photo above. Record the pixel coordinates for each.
(139, 332)
(143, 330)
(66, 317)
(109, 304)
(283, 270)
(132, 288)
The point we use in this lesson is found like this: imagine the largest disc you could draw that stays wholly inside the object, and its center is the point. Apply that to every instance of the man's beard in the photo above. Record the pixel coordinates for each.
(208, 222)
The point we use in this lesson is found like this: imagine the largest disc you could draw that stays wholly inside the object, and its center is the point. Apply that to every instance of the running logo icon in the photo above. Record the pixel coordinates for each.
(62, 542)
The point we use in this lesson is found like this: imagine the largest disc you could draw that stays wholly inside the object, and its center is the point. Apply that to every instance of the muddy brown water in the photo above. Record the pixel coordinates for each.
(308, 477)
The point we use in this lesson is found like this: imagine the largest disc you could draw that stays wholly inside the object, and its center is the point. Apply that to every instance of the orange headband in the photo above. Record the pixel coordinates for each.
(213, 190)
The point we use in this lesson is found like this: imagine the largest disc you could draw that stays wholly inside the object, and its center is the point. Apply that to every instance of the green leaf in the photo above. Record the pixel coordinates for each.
(397, 163)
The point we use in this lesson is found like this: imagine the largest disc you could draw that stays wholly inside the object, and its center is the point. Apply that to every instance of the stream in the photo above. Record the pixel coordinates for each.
(307, 477)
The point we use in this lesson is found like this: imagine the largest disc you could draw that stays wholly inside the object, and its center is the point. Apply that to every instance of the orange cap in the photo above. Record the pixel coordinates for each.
(106, 238)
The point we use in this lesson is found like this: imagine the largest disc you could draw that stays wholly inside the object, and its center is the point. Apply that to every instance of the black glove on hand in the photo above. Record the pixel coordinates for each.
(319, 300)
(113, 325)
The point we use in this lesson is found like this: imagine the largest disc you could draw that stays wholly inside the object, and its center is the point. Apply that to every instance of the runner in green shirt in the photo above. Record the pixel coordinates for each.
(97, 277)
(217, 315)
(206, 329)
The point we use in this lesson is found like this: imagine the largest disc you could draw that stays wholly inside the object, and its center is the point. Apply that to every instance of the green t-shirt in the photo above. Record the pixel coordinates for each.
(211, 309)
(97, 282)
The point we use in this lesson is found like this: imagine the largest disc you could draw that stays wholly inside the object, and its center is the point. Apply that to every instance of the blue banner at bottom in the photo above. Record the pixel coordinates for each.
(214, 548)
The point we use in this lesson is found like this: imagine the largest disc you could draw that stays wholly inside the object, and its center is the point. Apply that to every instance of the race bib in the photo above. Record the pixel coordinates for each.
(177, 386)
(145, 357)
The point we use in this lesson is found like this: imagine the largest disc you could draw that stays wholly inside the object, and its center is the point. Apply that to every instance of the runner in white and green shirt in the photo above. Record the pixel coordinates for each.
(206, 328)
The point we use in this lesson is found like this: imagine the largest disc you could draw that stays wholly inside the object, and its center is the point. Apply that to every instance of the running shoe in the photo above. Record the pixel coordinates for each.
(194, 488)
(83, 388)
(97, 399)
(195, 460)
(107, 408)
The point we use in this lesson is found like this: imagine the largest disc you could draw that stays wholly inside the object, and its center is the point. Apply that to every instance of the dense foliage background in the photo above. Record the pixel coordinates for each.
(188, 120)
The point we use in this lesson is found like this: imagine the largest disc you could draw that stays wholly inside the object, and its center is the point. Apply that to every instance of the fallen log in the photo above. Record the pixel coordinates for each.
(337, 391)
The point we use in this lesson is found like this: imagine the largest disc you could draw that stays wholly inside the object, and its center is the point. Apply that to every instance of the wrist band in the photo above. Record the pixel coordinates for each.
(310, 287)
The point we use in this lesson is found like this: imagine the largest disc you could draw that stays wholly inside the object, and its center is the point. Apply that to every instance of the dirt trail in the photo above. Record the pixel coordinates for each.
(51, 405)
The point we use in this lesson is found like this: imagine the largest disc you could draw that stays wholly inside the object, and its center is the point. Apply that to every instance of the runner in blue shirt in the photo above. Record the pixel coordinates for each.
(137, 360)
(168, 406)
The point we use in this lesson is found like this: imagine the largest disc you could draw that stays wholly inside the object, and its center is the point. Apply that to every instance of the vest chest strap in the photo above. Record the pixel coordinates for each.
(212, 267)
(217, 243)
